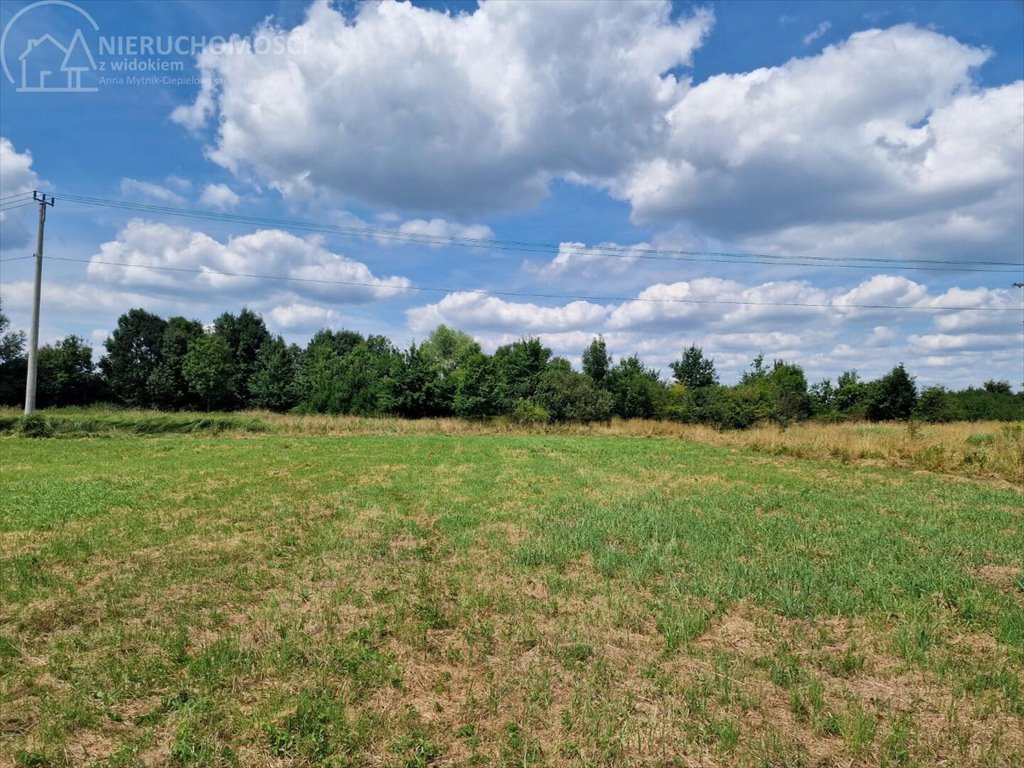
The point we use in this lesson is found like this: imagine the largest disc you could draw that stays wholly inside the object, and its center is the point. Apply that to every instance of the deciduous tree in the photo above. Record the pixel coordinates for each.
(211, 371)
(167, 384)
(133, 353)
(895, 396)
(12, 363)
(67, 375)
(519, 367)
(596, 361)
(637, 391)
(245, 335)
(693, 370)
(274, 383)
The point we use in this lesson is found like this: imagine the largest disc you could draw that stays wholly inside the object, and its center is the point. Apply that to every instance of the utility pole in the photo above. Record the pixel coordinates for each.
(33, 337)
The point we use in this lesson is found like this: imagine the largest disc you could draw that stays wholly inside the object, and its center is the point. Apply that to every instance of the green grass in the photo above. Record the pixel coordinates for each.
(269, 599)
(102, 421)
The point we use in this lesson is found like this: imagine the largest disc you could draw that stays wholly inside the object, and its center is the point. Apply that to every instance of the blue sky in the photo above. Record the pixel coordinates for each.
(874, 150)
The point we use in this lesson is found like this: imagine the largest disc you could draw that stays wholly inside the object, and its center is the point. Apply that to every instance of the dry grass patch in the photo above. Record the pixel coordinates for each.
(991, 450)
(504, 601)
(1003, 576)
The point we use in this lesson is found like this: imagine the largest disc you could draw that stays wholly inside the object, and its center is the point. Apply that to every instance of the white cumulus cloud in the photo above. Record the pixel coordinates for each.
(734, 321)
(143, 191)
(436, 231)
(191, 261)
(300, 315)
(863, 143)
(413, 108)
(479, 311)
(817, 32)
(16, 174)
(578, 258)
(884, 139)
(16, 178)
(219, 196)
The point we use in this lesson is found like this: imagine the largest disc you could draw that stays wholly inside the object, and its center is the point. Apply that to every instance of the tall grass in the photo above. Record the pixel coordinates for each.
(992, 450)
(95, 422)
(977, 449)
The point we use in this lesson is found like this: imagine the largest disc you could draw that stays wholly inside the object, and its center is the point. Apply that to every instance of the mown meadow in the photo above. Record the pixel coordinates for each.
(257, 590)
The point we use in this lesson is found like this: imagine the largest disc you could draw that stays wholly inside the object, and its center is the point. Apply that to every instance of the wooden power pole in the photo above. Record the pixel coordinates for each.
(33, 337)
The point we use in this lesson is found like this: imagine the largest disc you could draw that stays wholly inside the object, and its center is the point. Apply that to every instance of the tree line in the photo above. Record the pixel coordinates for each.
(178, 364)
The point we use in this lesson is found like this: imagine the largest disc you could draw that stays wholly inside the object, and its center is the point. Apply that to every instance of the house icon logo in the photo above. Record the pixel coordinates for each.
(50, 63)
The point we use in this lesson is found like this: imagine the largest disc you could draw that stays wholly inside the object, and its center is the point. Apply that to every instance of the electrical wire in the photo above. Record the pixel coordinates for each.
(525, 294)
(6, 208)
(601, 251)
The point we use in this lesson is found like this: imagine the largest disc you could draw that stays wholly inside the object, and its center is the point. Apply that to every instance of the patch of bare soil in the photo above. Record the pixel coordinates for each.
(734, 632)
(88, 747)
(1002, 576)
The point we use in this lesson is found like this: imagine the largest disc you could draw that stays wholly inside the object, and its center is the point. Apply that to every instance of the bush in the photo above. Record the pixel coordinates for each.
(975, 404)
(738, 407)
(35, 425)
(678, 404)
(936, 406)
(637, 391)
(568, 396)
(528, 412)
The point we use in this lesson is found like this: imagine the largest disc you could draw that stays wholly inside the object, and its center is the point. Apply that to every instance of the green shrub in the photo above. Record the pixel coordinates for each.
(528, 412)
(35, 425)
(568, 396)
(936, 406)
(974, 404)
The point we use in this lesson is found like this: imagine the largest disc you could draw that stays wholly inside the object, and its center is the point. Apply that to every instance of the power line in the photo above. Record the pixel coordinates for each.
(15, 258)
(12, 196)
(601, 251)
(524, 294)
(6, 208)
(629, 251)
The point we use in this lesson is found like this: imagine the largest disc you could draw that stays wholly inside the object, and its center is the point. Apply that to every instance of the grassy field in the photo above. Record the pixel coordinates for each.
(276, 591)
(979, 450)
